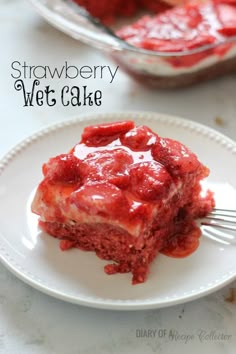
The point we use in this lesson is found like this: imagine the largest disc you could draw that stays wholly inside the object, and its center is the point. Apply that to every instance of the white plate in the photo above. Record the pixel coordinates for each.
(78, 276)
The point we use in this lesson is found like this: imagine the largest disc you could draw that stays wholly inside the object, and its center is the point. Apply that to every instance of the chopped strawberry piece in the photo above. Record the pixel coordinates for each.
(107, 165)
(63, 168)
(103, 134)
(176, 157)
(149, 181)
(139, 138)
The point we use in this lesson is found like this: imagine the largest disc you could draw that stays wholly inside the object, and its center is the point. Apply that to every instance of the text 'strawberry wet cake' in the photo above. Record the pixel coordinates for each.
(125, 193)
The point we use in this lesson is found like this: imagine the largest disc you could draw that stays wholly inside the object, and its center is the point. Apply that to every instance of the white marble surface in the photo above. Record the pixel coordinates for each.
(31, 322)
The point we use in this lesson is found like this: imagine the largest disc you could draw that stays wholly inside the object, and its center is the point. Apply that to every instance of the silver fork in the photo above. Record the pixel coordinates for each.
(220, 225)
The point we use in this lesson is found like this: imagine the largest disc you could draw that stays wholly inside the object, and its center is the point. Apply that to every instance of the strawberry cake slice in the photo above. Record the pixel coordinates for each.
(126, 194)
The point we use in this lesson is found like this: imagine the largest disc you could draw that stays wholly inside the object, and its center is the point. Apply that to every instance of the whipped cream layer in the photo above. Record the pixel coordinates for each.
(162, 67)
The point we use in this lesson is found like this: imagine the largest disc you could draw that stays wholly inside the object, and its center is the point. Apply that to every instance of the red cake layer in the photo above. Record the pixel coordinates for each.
(126, 194)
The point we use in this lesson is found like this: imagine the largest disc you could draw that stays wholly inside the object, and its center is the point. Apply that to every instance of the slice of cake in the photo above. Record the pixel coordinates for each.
(126, 194)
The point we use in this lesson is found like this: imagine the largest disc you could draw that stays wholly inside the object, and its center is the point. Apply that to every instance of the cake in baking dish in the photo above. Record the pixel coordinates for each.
(199, 37)
(126, 194)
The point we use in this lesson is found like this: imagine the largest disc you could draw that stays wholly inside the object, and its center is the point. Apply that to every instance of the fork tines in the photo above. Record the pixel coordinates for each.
(221, 218)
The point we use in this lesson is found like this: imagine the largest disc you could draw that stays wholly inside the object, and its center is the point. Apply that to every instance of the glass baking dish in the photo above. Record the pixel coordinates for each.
(152, 68)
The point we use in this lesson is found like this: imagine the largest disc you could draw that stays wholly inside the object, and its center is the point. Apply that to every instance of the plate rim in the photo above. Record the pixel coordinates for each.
(111, 304)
